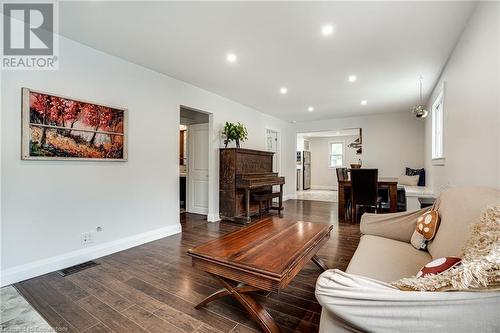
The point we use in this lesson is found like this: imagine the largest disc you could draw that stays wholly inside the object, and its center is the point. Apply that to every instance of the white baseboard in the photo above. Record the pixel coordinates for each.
(288, 197)
(323, 187)
(39, 267)
(213, 217)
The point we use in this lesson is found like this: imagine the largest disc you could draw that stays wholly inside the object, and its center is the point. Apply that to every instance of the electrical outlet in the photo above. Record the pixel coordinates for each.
(87, 238)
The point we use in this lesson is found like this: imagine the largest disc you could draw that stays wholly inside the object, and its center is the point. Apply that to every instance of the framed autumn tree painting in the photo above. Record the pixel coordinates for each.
(62, 128)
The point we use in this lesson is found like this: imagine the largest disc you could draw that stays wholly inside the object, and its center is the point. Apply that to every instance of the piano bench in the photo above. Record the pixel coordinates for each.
(261, 197)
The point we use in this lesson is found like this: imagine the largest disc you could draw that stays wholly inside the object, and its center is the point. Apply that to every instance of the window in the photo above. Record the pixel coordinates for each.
(437, 128)
(336, 154)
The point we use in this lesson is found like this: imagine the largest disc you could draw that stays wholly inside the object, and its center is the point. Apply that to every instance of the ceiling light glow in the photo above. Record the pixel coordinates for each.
(283, 90)
(231, 57)
(352, 78)
(327, 30)
(364, 102)
(310, 109)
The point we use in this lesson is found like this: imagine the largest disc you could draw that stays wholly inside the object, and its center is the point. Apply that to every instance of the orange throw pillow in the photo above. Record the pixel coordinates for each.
(427, 224)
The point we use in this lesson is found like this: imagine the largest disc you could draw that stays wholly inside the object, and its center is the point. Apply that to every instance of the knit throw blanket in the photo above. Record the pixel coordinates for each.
(480, 268)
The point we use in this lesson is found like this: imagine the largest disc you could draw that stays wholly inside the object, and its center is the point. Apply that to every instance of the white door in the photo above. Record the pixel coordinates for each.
(197, 173)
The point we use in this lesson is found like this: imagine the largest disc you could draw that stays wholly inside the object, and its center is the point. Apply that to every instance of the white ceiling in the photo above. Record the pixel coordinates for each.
(388, 45)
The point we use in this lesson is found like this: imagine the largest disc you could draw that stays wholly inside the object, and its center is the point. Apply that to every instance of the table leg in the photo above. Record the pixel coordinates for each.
(241, 288)
(280, 202)
(247, 204)
(393, 198)
(341, 207)
(319, 262)
(240, 293)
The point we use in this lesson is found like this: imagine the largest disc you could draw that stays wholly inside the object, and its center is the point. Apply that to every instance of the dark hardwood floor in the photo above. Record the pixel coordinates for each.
(153, 288)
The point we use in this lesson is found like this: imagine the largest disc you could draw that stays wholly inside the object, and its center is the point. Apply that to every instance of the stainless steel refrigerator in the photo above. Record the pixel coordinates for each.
(306, 170)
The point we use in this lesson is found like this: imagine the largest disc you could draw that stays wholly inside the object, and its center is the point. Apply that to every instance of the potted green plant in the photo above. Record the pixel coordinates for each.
(234, 132)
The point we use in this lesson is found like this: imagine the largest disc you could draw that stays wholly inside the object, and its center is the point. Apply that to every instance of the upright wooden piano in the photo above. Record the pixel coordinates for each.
(241, 173)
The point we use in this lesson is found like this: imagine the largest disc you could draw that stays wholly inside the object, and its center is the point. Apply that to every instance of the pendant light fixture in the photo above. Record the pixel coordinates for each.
(419, 110)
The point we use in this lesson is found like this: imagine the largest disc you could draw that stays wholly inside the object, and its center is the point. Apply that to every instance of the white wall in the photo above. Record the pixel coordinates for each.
(300, 143)
(46, 205)
(471, 106)
(391, 141)
(322, 176)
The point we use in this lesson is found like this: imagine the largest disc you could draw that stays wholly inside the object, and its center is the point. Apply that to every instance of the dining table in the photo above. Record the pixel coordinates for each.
(383, 182)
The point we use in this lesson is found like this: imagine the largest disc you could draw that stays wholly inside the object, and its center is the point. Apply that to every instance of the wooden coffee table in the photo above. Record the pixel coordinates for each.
(263, 256)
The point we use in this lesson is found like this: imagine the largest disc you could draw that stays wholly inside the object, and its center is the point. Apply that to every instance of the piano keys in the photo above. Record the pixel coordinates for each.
(257, 180)
(243, 172)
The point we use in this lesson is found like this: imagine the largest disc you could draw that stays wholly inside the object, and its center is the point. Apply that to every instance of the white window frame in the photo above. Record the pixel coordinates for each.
(330, 153)
(437, 129)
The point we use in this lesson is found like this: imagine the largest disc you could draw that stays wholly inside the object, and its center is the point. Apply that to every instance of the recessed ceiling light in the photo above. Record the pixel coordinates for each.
(294, 121)
(283, 90)
(364, 102)
(231, 57)
(352, 78)
(310, 109)
(327, 30)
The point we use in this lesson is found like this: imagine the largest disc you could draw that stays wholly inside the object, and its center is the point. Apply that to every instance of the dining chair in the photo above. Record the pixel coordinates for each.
(343, 175)
(340, 174)
(364, 191)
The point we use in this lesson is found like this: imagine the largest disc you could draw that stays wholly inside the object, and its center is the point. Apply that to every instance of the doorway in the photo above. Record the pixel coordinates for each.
(318, 156)
(194, 161)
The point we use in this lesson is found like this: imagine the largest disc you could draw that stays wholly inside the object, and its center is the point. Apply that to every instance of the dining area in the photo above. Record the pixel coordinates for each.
(361, 190)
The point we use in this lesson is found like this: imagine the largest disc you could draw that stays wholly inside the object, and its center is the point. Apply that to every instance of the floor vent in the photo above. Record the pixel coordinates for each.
(77, 268)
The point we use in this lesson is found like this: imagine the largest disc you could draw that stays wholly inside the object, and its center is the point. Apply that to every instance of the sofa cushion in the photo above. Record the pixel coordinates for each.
(417, 191)
(385, 259)
(428, 224)
(419, 172)
(438, 266)
(458, 208)
(408, 180)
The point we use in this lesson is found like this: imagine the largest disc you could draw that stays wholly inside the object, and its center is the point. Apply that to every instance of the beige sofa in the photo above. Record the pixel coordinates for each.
(361, 300)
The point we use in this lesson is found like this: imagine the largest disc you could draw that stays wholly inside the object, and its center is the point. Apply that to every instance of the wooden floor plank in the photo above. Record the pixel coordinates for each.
(35, 298)
(145, 287)
(221, 323)
(62, 305)
(178, 318)
(65, 287)
(107, 296)
(109, 316)
(149, 321)
(99, 328)
(243, 329)
(207, 329)
(108, 280)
